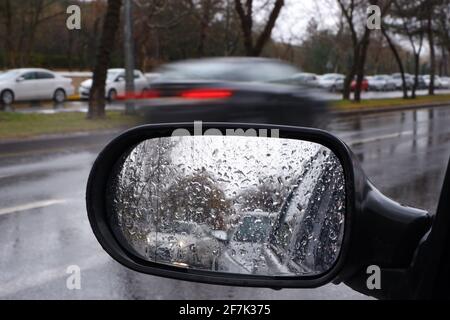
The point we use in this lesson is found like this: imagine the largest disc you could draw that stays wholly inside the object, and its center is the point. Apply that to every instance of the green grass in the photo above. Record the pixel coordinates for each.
(386, 103)
(19, 125)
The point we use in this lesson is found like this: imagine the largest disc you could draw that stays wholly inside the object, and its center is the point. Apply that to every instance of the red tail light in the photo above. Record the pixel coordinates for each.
(206, 94)
(147, 94)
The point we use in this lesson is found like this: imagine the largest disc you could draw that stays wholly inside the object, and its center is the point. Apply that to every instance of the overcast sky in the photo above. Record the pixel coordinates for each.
(296, 14)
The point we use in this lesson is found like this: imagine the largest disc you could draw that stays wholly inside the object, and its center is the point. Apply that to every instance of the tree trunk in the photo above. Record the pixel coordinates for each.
(416, 74)
(432, 55)
(399, 61)
(9, 48)
(107, 41)
(265, 35)
(246, 24)
(246, 19)
(361, 65)
(348, 80)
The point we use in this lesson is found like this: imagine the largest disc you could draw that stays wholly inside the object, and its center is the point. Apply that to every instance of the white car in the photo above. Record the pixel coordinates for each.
(445, 82)
(307, 79)
(437, 81)
(152, 76)
(381, 83)
(115, 84)
(397, 78)
(33, 84)
(329, 81)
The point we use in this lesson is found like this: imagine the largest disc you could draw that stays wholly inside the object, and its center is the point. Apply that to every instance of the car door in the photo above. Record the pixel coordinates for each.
(46, 84)
(119, 84)
(430, 273)
(26, 87)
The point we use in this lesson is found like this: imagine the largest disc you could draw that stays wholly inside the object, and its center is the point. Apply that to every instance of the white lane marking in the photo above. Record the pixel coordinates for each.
(32, 205)
(382, 137)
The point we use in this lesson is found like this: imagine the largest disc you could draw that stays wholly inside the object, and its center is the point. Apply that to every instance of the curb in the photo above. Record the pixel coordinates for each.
(381, 109)
(62, 136)
(55, 143)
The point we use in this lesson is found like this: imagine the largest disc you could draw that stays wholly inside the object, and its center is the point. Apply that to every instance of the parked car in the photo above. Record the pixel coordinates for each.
(364, 85)
(445, 82)
(381, 83)
(115, 84)
(421, 84)
(397, 78)
(437, 81)
(329, 81)
(33, 84)
(183, 243)
(257, 90)
(307, 79)
(152, 76)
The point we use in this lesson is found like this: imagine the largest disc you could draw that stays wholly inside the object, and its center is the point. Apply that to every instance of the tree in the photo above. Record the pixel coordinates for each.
(107, 41)
(254, 48)
(196, 198)
(443, 35)
(397, 58)
(352, 11)
(21, 21)
(405, 20)
(204, 11)
(267, 197)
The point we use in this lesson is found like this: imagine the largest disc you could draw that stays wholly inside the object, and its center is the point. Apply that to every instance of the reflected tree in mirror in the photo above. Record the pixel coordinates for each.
(247, 205)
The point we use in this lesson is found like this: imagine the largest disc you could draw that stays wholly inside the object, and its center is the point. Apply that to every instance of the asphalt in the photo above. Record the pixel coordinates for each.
(44, 228)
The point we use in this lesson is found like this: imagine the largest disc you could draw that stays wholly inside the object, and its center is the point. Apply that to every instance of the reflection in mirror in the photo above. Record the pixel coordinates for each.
(246, 205)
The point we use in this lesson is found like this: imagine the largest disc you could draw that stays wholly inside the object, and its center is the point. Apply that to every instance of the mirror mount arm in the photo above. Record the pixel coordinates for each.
(387, 235)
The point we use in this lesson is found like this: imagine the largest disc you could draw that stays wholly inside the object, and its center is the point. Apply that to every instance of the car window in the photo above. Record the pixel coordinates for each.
(44, 75)
(253, 229)
(9, 75)
(29, 76)
(112, 75)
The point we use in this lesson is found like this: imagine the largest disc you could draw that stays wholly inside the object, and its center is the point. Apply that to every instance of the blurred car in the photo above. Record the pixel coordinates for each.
(115, 84)
(33, 84)
(255, 90)
(184, 243)
(397, 78)
(330, 81)
(381, 83)
(364, 85)
(445, 82)
(437, 81)
(152, 76)
(307, 79)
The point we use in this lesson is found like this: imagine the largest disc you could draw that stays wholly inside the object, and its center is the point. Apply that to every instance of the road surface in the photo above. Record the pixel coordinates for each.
(44, 228)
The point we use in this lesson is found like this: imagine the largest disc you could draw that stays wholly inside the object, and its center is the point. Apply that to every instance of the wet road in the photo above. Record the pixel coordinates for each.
(44, 228)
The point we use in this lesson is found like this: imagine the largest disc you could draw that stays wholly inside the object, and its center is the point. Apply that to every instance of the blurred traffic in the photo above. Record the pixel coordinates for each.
(258, 90)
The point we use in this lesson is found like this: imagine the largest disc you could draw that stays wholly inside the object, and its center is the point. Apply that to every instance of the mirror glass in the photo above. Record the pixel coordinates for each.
(234, 204)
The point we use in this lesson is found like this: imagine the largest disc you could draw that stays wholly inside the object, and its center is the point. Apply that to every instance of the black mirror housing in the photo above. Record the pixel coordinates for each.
(376, 229)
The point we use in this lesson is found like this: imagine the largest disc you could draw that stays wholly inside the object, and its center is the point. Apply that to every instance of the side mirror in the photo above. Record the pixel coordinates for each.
(120, 79)
(20, 79)
(288, 207)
